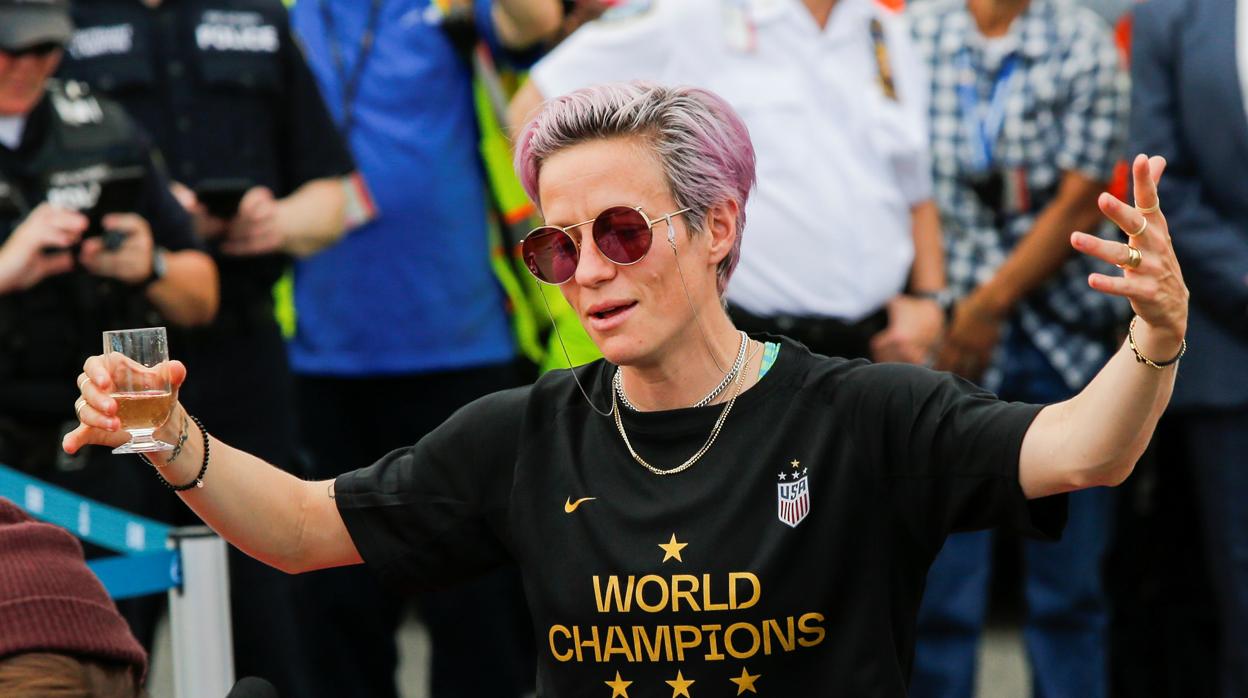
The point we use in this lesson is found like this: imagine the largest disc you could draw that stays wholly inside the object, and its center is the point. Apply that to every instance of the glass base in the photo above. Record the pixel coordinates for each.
(143, 447)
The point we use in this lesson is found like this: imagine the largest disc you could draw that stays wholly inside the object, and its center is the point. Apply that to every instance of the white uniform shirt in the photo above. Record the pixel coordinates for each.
(839, 165)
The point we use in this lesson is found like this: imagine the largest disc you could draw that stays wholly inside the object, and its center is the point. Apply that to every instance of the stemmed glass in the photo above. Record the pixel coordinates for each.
(138, 362)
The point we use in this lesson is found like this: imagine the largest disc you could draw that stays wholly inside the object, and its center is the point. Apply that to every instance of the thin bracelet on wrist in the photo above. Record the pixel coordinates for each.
(203, 468)
(1140, 358)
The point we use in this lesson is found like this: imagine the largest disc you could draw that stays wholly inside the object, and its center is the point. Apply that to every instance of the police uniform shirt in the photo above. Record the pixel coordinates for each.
(839, 163)
(72, 142)
(225, 92)
(788, 561)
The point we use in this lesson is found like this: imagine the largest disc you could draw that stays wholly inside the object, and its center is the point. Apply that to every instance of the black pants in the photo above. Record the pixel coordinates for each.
(482, 640)
(1165, 622)
(827, 336)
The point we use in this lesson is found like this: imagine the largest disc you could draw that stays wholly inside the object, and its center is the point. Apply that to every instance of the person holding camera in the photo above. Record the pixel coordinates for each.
(229, 100)
(90, 239)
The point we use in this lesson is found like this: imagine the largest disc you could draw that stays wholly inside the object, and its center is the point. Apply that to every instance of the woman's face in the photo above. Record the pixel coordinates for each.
(635, 314)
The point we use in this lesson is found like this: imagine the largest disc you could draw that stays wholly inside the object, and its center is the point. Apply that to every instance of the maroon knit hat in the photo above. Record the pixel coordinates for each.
(51, 602)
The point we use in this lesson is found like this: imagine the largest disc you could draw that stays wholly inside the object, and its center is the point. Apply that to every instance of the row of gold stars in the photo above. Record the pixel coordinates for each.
(680, 685)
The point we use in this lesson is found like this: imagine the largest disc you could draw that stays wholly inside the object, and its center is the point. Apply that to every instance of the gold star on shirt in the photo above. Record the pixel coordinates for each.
(619, 687)
(672, 549)
(680, 685)
(795, 462)
(746, 682)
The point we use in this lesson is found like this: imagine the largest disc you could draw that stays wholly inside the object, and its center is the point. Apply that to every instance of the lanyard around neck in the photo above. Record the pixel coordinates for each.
(350, 84)
(983, 123)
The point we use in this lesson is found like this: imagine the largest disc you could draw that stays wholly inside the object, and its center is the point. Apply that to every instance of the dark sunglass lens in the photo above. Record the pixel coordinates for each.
(550, 255)
(622, 235)
(39, 50)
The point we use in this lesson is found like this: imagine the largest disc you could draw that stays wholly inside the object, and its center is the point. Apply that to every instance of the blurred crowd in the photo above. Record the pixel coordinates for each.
(318, 201)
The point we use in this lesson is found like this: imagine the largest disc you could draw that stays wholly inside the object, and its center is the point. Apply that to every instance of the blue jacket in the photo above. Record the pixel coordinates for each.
(1187, 105)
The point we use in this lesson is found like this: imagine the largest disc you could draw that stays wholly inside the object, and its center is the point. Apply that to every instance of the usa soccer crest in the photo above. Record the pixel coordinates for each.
(793, 497)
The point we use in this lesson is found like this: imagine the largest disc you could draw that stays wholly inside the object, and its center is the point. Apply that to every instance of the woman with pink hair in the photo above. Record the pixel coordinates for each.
(701, 512)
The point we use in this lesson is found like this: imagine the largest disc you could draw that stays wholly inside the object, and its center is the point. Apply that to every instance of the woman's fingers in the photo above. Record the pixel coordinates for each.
(1141, 231)
(1145, 174)
(103, 402)
(1132, 288)
(84, 435)
(96, 369)
(93, 416)
(96, 408)
(1116, 253)
(1157, 167)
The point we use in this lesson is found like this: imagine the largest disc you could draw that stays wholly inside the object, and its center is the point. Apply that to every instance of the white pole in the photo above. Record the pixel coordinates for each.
(199, 616)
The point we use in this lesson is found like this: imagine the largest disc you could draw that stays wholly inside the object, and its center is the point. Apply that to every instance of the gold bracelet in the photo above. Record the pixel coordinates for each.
(1144, 359)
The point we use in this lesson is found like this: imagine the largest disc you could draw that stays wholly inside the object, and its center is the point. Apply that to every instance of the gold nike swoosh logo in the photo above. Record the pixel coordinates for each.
(570, 506)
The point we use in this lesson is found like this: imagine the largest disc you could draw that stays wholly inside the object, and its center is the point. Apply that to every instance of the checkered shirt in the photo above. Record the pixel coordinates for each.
(1066, 111)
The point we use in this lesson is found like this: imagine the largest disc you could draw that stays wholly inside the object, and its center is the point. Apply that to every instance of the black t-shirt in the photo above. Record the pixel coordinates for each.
(789, 561)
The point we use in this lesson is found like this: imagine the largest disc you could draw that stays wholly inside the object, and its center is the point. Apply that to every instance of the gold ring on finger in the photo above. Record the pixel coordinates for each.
(1136, 234)
(78, 405)
(1134, 259)
(82, 380)
(1151, 209)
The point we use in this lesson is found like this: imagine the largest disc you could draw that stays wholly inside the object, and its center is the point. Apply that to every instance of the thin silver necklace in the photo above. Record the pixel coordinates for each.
(719, 423)
(739, 365)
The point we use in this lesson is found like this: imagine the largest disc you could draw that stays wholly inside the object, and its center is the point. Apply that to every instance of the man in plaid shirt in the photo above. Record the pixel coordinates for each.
(1028, 116)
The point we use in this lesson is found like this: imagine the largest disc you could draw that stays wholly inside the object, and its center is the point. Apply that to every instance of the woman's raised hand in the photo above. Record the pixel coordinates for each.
(1151, 277)
(97, 409)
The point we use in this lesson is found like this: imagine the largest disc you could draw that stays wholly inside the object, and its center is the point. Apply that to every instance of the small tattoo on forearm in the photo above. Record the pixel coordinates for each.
(330, 489)
(177, 448)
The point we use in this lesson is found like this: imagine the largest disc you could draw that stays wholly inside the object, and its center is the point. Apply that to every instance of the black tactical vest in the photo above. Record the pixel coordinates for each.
(74, 144)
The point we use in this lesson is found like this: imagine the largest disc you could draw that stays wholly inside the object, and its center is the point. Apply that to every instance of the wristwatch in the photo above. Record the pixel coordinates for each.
(159, 267)
(944, 298)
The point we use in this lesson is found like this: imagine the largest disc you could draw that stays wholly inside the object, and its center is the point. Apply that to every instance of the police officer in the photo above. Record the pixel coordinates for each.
(125, 258)
(228, 98)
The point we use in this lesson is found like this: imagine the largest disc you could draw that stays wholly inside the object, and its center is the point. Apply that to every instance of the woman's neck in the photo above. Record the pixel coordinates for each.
(685, 373)
(994, 17)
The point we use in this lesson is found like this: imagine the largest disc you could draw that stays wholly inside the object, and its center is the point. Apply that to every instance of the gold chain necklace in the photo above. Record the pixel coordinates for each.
(719, 423)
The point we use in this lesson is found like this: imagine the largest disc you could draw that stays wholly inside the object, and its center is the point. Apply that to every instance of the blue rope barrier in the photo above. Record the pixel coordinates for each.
(126, 576)
(107, 527)
(146, 565)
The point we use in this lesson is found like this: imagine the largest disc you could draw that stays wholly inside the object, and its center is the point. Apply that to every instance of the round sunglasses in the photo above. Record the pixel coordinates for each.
(622, 234)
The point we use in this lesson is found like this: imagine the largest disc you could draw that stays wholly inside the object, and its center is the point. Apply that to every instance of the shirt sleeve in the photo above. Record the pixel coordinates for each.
(172, 227)
(1095, 116)
(608, 50)
(433, 514)
(949, 452)
(483, 13)
(914, 172)
(312, 147)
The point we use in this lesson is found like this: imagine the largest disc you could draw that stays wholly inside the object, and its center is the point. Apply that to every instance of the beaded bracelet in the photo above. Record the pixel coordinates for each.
(203, 469)
(1140, 358)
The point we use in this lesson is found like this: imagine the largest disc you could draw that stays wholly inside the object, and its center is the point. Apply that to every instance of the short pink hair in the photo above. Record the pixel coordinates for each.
(703, 146)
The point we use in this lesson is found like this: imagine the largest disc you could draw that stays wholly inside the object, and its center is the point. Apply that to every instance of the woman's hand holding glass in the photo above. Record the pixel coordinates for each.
(97, 410)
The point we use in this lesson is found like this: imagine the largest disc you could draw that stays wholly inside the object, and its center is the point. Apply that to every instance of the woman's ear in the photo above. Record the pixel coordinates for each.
(721, 229)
